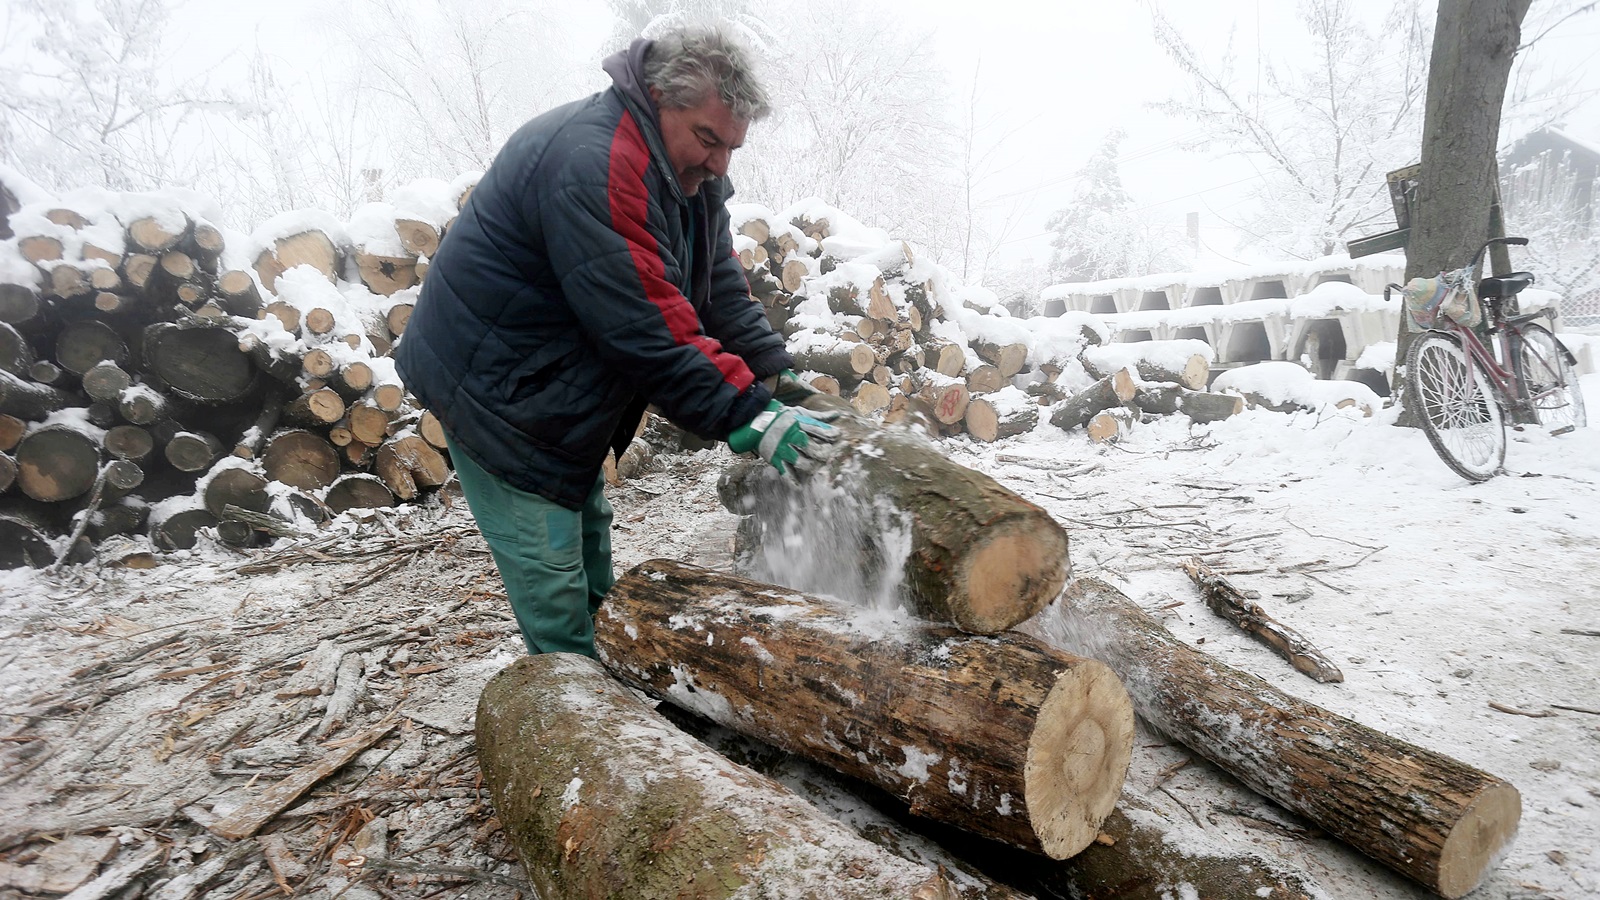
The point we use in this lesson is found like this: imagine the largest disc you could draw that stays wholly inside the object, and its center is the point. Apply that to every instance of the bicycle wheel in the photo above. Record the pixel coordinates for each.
(1547, 382)
(1458, 414)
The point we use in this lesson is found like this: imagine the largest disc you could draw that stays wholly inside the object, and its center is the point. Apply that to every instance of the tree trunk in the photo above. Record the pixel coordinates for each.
(981, 558)
(914, 708)
(985, 379)
(1421, 813)
(23, 543)
(236, 486)
(1114, 390)
(130, 442)
(151, 234)
(174, 525)
(56, 463)
(1474, 45)
(239, 293)
(315, 408)
(417, 236)
(105, 381)
(201, 363)
(562, 746)
(254, 440)
(369, 424)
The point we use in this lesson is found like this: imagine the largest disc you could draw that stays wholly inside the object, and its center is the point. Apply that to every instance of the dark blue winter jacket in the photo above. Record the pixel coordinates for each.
(578, 285)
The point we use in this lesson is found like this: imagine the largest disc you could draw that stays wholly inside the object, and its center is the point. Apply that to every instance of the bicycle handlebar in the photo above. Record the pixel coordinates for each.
(1508, 241)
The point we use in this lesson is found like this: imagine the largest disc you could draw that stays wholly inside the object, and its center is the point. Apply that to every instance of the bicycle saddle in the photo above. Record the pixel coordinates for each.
(1504, 285)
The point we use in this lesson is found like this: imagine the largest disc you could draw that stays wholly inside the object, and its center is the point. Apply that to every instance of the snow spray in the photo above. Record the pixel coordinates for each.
(831, 536)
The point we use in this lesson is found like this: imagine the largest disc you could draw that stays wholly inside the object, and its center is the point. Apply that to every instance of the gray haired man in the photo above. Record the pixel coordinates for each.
(590, 275)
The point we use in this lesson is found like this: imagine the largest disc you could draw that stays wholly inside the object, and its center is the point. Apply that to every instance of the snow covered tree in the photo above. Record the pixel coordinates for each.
(860, 121)
(1552, 197)
(1323, 130)
(1100, 234)
(451, 79)
(87, 100)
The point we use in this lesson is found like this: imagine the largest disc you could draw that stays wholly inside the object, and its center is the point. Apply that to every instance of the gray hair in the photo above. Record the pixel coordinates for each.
(687, 64)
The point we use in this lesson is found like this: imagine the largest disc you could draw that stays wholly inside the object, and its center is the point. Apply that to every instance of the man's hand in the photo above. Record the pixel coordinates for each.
(788, 389)
(785, 436)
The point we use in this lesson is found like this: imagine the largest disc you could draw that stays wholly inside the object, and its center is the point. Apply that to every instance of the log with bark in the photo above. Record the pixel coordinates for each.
(1111, 425)
(1009, 358)
(999, 735)
(1002, 414)
(981, 557)
(408, 465)
(1114, 390)
(1185, 362)
(1200, 406)
(1232, 604)
(602, 797)
(1425, 815)
(57, 462)
(300, 459)
(198, 362)
(311, 248)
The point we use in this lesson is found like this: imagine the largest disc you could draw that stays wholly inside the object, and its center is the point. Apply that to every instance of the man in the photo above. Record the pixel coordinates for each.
(590, 274)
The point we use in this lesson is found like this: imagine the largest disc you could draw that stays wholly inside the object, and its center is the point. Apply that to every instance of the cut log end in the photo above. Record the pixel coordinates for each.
(1078, 758)
(1016, 570)
(1479, 840)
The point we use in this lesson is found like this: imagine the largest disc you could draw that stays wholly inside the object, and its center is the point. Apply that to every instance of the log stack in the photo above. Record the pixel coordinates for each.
(870, 321)
(157, 377)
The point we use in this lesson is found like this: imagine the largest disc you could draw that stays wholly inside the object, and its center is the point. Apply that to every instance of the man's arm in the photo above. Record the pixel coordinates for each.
(731, 316)
(610, 265)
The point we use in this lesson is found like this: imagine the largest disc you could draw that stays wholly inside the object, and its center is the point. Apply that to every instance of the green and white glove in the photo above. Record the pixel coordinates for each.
(789, 390)
(786, 436)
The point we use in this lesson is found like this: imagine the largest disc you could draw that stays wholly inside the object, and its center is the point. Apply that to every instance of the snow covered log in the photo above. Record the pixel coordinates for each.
(408, 465)
(1002, 414)
(29, 400)
(1114, 390)
(1425, 815)
(603, 797)
(1186, 362)
(200, 363)
(982, 558)
(1112, 425)
(57, 462)
(1200, 406)
(999, 735)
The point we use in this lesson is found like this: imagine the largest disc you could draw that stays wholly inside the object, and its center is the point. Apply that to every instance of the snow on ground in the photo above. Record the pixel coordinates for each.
(1436, 598)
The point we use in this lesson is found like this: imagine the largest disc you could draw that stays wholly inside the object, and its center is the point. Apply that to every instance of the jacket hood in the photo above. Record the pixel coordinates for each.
(626, 68)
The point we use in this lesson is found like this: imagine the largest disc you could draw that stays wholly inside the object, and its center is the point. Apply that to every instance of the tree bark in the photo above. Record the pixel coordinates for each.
(845, 361)
(562, 748)
(1200, 406)
(408, 465)
(27, 400)
(999, 735)
(1474, 45)
(1427, 816)
(1116, 389)
(1231, 603)
(982, 558)
(1155, 361)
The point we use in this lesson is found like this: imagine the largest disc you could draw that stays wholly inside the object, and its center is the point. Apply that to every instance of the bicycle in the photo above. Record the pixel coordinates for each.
(1450, 373)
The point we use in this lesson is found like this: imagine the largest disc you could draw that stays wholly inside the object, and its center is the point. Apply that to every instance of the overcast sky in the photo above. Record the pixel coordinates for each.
(1054, 76)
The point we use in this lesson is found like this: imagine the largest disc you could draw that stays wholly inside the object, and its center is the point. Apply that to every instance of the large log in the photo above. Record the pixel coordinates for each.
(358, 490)
(57, 462)
(1185, 362)
(301, 459)
(1008, 358)
(23, 543)
(19, 303)
(27, 400)
(843, 360)
(1200, 406)
(1000, 735)
(602, 797)
(201, 363)
(1423, 814)
(1114, 390)
(85, 342)
(981, 557)
(408, 465)
(1003, 414)
(312, 248)
(16, 357)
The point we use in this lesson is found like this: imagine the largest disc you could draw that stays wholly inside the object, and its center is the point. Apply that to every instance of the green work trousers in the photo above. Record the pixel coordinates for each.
(555, 562)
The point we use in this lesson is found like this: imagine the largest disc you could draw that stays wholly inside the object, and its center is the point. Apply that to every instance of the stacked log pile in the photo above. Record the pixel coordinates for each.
(158, 377)
(868, 320)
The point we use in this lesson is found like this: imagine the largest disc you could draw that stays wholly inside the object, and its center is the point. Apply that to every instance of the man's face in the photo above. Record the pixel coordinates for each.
(700, 140)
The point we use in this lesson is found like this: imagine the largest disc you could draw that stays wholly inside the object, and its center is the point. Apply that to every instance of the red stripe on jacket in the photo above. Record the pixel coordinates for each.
(629, 212)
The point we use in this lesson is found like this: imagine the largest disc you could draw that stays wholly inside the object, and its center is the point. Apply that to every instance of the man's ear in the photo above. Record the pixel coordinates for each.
(655, 95)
